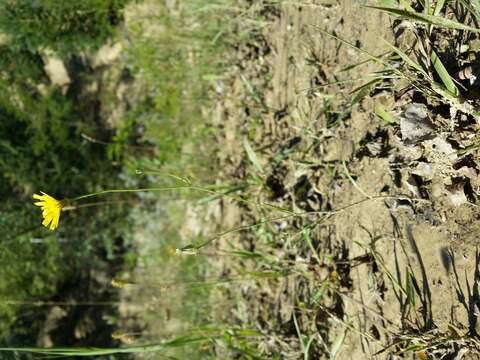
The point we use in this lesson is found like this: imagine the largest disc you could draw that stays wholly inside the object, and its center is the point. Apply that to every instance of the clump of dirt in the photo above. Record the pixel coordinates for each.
(386, 255)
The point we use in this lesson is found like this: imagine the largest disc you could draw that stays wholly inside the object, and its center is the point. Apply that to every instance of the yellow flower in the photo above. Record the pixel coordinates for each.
(51, 209)
(119, 283)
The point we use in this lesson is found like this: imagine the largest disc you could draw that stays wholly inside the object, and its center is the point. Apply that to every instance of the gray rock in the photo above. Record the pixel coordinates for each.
(415, 125)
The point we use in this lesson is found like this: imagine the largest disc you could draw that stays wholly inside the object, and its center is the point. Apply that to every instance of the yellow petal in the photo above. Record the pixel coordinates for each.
(47, 221)
(46, 211)
(54, 223)
(51, 209)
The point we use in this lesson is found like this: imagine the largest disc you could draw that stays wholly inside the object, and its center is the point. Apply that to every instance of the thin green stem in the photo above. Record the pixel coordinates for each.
(184, 187)
(112, 191)
(291, 214)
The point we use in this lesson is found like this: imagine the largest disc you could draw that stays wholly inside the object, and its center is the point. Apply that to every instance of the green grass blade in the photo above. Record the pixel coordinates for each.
(438, 7)
(426, 19)
(351, 45)
(252, 156)
(444, 75)
(338, 345)
(91, 351)
(406, 5)
(388, 3)
(396, 283)
(407, 60)
(383, 114)
(353, 66)
(387, 65)
(410, 289)
(307, 348)
(308, 239)
(362, 91)
(246, 254)
(476, 5)
(301, 337)
(473, 6)
(253, 92)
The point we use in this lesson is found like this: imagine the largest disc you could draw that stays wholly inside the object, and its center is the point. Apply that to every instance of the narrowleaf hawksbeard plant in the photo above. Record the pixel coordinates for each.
(51, 207)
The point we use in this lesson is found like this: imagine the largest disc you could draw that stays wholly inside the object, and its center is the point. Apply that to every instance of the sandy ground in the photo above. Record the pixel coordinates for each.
(431, 239)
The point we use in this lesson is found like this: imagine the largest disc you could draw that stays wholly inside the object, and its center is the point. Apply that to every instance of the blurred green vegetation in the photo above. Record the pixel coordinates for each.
(62, 26)
(177, 52)
(41, 149)
(178, 55)
(174, 57)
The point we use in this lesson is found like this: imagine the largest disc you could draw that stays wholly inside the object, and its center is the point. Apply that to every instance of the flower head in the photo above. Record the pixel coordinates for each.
(51, 209)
